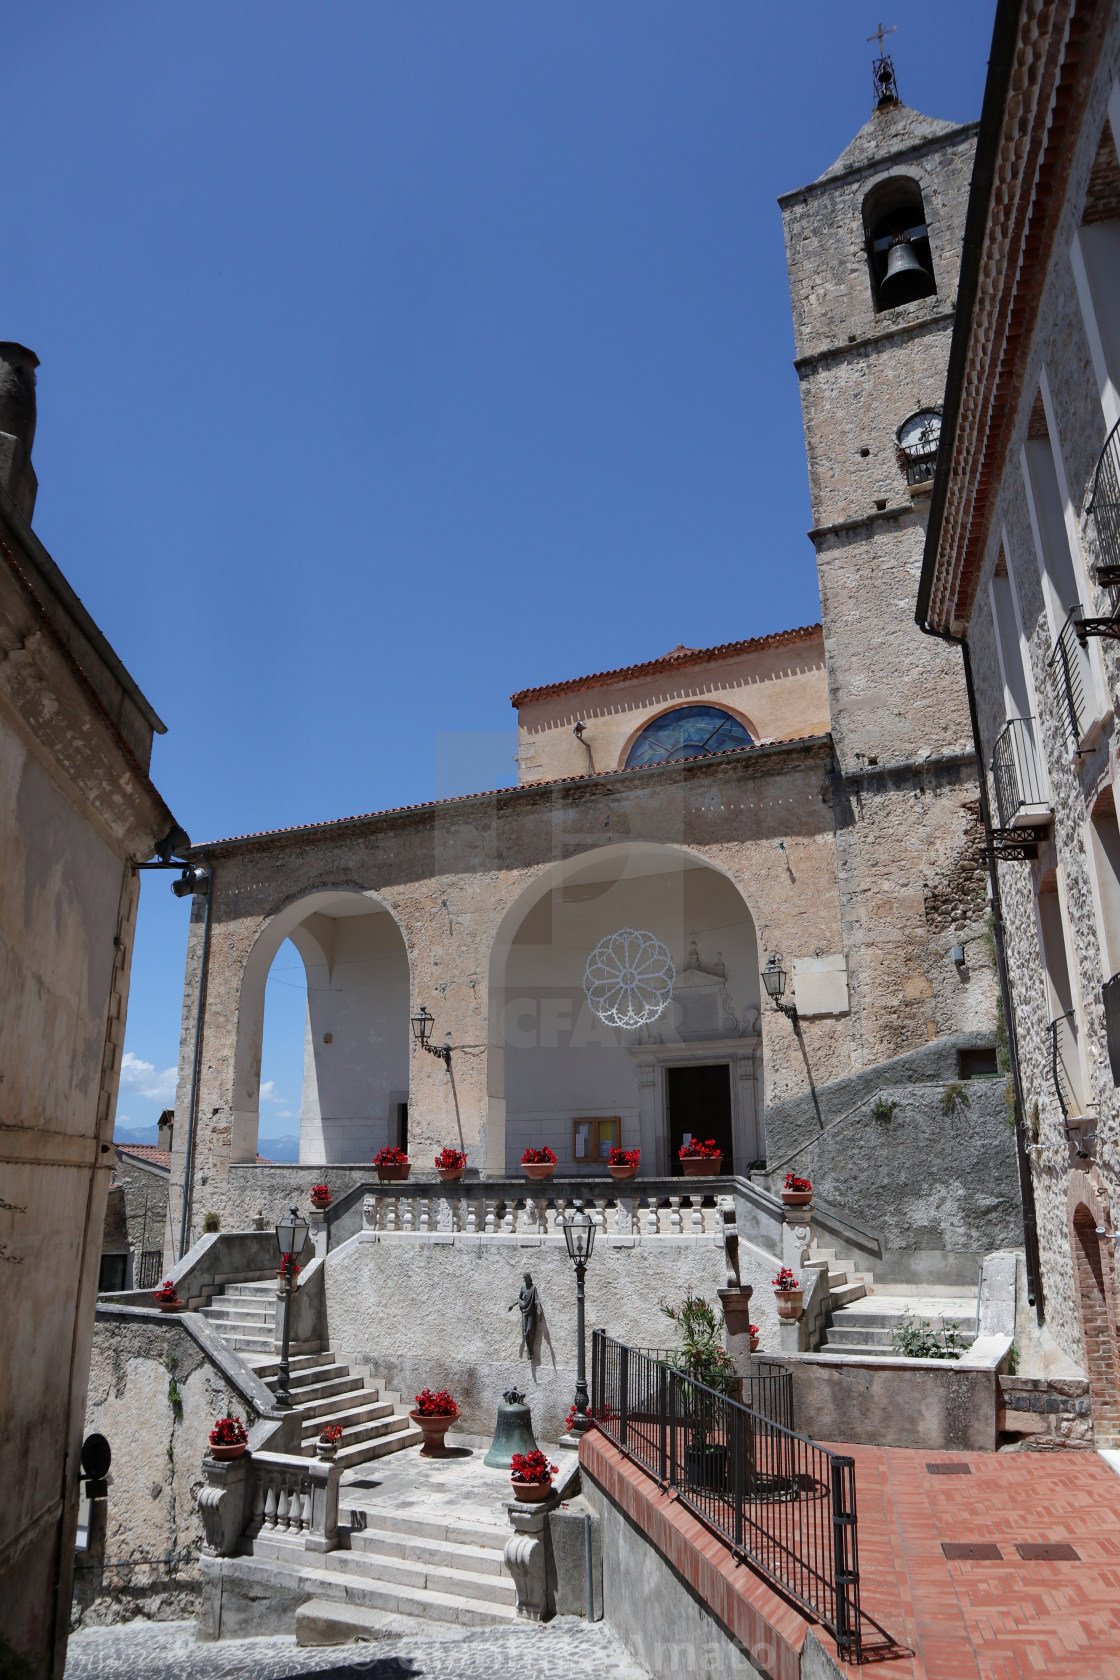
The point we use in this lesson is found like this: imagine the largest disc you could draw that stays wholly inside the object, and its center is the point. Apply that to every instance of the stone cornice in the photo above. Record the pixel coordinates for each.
(872, 341)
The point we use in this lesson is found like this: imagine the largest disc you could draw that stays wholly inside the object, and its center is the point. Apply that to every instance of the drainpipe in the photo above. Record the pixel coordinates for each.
(202, 874)
(1026, 1182)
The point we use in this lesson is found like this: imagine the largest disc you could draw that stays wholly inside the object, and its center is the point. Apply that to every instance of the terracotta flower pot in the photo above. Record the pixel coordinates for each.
(538, 1169)
(789, 1302)
(701, 1166)
(450, 1175)
(391, 1173)
(754, 1344)
(171, 1306)
(434, 1428)
(321, 1207)
(223, 1453)
(623, 1171)
(797, 1198)
(531, 1493)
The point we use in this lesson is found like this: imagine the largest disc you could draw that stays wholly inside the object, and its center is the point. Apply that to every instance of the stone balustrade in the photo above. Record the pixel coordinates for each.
(536, 1216)
(269, 1503)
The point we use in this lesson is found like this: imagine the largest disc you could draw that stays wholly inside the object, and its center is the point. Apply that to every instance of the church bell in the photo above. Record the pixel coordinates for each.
(513, 1432)
(906, 278)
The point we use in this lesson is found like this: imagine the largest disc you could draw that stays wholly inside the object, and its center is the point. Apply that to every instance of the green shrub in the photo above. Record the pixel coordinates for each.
(211, 1223)
(955, 1097)
(883, 1109)
(916, 1338)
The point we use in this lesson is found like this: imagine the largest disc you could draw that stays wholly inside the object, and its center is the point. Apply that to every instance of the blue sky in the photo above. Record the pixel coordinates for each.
(402, 353)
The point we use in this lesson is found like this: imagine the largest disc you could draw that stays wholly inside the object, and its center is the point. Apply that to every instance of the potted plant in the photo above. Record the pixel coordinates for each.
(755, 1334)
(434, 1413)
(321, 1196)
(288, 1263)
(623, 1163)
(166, 1297)
(451, 1165)
(329, 1438)
(539, 1163)
(798, 1192)
(392, 1164)
(699, 1160)
(530, 1476)
(228, 1438)
(788, 1293)
(702, 1358)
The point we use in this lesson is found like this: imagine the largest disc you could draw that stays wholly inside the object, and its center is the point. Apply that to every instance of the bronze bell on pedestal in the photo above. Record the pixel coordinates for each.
(906, 277)
(513, 1432)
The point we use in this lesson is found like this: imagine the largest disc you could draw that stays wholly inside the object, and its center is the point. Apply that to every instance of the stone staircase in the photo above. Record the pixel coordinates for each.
(322, 1388)
(860, 1320)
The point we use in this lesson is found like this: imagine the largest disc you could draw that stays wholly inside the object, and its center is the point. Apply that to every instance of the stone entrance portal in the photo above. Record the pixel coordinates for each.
(698, 1105)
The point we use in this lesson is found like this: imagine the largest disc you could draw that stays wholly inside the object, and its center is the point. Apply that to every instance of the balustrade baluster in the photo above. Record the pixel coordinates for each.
(509, 1218)
(423, 1206)
(391, 1209)
(305, 1508)
(282, 1506)
(697, 1216)
(675, 1215)
(270, 1504)
(651, 1218)
(491, 1213)
(408, 1207)
(472, 1215)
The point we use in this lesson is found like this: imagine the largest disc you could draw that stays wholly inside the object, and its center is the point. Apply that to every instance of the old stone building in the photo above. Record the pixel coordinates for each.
(1022, 564)
(77, 811)
(809, 795)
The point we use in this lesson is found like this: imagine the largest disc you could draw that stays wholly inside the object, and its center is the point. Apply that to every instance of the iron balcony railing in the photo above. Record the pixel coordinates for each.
(1104, 509)
(1070, 665)
(783, 1504)
(1110, 997)
(1015, 771)
(1065, 1065)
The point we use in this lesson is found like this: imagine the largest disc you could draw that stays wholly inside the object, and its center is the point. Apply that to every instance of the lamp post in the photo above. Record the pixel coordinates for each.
(422, 1024)
(291, 1234)
(579, 1234)
(774, 979)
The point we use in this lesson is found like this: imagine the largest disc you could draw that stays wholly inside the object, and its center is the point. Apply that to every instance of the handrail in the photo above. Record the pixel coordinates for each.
(1066, 658)
(1104, 510)
(1067, 1098)
(780, 1502)
(1014, 769)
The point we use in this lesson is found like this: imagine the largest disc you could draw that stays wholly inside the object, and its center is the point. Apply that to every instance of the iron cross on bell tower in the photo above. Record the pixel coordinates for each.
(882, 71)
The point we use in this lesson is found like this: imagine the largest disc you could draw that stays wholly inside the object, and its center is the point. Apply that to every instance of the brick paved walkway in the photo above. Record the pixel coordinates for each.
(989, 1618)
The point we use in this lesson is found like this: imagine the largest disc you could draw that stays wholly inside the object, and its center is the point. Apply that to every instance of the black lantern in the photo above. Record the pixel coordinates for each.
(579, 1234)
(291, 1234)
(774, 979)
(422, 1024)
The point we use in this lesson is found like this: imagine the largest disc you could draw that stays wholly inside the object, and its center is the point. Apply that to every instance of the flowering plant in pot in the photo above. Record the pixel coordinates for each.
(392, 1164)
(531, 1476)
(700, 1159)
(435, 1411)
(623, 1163)
(228, 1438)
(703, 1358)
(166, 1297)
(320, 1196)
(755, 1334)
(329, 1439)
(788, 1293)
(288, 1263)
(450, 1165)
(798, 1192)
(539, 1163)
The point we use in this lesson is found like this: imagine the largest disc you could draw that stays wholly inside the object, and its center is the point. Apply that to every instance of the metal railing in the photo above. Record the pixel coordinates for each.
(1104, 509)
(1069, 663)
(768, 1390)
(783, 1504)
(1065, 1063)
(149, 1266)
(1015, 770)
(1110, 997)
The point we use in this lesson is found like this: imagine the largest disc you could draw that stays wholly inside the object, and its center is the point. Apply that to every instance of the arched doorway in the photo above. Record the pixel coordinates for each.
(356, 1029)
(560, 1075)
(1097, 1305)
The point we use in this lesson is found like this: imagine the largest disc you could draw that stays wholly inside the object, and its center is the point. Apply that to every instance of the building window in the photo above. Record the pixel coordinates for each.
(898, 253)
(687, 732)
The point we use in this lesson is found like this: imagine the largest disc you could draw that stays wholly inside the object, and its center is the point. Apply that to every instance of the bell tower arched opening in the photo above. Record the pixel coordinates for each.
(898, 251)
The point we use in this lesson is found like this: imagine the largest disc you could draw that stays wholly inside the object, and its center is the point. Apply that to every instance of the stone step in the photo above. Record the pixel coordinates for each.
(248, 1344)
(284, 1563)
(380, 1447)
(235, 1317)
(342, 1400)
(250, 1291)
(425, 1576)
(868, 1319)
(398, 1524)
(372, 1429)
(475, 1560)
(298, 1362)
(844, 1292)
(366, 1411)
(844, 1339)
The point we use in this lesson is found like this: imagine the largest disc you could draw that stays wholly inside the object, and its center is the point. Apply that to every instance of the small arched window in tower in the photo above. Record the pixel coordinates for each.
(687, 732)
(898, 253)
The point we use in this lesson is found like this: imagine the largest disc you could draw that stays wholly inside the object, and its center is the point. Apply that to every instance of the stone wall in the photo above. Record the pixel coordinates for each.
(145, 1199)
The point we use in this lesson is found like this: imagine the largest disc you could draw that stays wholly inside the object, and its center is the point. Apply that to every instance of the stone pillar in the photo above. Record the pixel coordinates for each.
(221, 1503)
(736, 1304)
(317, 1219)
(797, 1238)
(529, 1559)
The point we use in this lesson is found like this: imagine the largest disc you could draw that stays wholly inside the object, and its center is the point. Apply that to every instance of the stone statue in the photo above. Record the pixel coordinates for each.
(530, 1304)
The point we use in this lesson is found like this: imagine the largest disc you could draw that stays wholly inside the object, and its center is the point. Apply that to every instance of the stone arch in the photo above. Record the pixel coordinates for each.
(1098, 1304)
(356, 1057)
(550, 1062)
(892, 211)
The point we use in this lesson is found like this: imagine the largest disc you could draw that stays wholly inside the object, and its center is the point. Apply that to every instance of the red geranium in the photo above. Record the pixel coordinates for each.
(450, 1160)
(167, 1293)
(709, 1150)
(228, 1432)
(531, 1467)
(439, 1404)
(289, 1263)
(795, 1183)
(538, 1157)
(332, 1432)
(320, 1195)
(786, 1280)
(390, 1156)
(623, 1157)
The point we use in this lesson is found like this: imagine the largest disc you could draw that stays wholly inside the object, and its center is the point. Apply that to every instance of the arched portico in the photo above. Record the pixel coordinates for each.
(1094, 1267)
(555, 1069)
(356, 1045)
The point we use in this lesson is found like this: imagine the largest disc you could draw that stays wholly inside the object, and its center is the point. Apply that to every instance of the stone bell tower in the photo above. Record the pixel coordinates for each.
(873, 248)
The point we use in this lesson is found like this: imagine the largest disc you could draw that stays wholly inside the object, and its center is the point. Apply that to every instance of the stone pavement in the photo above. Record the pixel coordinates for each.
(565, 1649)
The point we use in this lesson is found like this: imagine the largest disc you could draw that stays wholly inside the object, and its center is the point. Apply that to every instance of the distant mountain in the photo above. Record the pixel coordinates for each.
(136, 1134)
(279, 1148)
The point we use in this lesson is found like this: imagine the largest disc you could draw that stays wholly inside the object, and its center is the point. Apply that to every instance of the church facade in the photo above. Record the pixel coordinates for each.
(804, 803)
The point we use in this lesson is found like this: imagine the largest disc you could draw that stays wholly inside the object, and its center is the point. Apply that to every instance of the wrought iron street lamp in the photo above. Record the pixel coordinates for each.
(422, 1024)
(579, 1234)
(774, 979)
(291, 1234)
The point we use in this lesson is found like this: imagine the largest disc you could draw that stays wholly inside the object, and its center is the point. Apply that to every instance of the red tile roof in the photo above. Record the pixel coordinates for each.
(671, 661)
(147, 1152)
